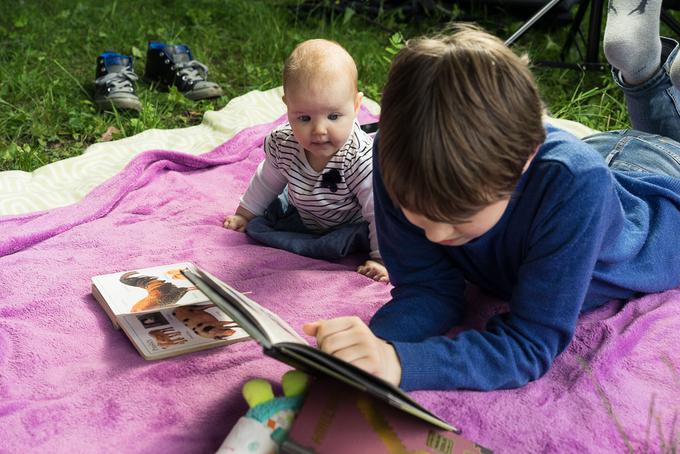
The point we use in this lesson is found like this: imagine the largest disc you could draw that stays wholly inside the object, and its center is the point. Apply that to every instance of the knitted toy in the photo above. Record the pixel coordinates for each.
(267, 422)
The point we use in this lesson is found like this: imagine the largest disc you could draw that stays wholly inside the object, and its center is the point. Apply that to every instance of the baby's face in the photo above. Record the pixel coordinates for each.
(460, 233)
(322, 116)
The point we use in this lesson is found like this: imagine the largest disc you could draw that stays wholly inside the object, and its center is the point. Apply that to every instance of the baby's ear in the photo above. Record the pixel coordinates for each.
(283, 98)
(357, 102)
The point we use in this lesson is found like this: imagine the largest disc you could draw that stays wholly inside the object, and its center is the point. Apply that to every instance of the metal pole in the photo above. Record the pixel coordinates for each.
(595, 26)
(530, 22)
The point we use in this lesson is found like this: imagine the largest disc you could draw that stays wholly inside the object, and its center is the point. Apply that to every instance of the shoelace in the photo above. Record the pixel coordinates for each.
(192, 71)
(120, 81)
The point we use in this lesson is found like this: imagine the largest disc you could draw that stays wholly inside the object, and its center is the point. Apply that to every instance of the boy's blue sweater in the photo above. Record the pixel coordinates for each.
(574, 236)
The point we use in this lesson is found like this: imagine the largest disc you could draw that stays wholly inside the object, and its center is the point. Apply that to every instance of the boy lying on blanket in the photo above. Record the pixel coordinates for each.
(313, 193)
(481, 191)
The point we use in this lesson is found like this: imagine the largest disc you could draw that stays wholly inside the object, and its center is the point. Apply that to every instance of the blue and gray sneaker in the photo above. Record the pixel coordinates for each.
(114, 85)
(169, 65)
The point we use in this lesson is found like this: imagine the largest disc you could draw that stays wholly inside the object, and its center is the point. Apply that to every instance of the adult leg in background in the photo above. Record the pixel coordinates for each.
(654, 105)
(654, 109)
(641, 65)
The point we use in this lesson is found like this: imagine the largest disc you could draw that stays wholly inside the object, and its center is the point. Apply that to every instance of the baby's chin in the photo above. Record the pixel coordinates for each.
(322, 148)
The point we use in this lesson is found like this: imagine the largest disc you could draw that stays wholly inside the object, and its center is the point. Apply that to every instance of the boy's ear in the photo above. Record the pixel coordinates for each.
(357, 102)
(283, 98)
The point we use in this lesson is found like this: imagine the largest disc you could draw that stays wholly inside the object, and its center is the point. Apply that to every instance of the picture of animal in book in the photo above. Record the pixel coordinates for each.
(195, 317)
(160, 291)
(199, 320)
(167, 337)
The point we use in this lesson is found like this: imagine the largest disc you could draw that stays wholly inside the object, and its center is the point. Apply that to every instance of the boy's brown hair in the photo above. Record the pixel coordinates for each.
(460, 117)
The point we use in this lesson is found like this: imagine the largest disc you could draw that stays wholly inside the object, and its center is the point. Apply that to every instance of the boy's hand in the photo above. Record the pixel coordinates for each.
(236, 222)
(375, 270)
(349, 339)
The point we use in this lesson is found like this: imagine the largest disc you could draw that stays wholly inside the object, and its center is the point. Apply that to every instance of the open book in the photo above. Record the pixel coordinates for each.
(281, 342)
(163, 313)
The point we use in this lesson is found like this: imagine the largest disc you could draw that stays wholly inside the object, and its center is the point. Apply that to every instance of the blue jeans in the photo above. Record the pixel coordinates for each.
(653, 145)
(281, 227)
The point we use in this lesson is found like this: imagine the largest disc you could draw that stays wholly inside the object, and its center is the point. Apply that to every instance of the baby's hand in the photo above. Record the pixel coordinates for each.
(349, 339)
(236, 222)
(375, 270)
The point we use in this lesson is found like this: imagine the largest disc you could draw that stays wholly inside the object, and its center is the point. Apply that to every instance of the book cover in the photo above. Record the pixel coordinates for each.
(337, 419)
(162, 312)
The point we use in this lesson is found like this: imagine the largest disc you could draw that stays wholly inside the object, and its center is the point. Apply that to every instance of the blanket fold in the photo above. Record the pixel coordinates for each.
(36, 227)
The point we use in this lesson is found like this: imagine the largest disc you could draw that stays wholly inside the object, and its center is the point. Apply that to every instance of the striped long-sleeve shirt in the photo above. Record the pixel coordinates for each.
(342, 193)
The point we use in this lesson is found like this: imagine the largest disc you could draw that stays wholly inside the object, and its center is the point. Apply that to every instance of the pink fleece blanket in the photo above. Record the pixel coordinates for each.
(71, 383)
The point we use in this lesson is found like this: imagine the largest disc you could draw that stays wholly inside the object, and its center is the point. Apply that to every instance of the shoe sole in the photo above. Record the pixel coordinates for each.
(119, 104)
(206, 93)
(193, 95)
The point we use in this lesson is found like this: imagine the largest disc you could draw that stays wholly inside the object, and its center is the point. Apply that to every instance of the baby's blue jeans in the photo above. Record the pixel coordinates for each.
(281, 227)
(653, 145)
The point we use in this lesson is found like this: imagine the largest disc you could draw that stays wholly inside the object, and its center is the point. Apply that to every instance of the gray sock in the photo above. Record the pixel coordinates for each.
(631, 38)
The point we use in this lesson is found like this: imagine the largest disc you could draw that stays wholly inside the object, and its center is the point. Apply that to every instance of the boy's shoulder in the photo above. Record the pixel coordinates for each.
(564, 165)
(568, 151)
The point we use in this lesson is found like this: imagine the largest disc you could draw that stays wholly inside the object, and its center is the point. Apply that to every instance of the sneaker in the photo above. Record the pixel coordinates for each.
(173, 65)
(113, 86)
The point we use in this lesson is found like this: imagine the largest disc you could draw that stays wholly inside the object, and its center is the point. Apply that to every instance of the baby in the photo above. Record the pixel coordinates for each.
(313, 192)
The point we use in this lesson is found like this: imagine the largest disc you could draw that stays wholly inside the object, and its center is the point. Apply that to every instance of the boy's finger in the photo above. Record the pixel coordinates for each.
(311, 328)
(351, 354)
(329, 327)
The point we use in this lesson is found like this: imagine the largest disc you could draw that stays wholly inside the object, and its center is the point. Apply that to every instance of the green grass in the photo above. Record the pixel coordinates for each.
(48, 52)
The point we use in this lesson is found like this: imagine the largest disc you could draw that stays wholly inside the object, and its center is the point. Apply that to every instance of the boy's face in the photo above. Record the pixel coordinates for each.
(460, 233)
(322, 116)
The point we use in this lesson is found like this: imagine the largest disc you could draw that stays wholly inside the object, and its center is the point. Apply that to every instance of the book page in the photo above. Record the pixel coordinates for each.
(147, 289)
(180, 329)
(276, 328)
(271, 329)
